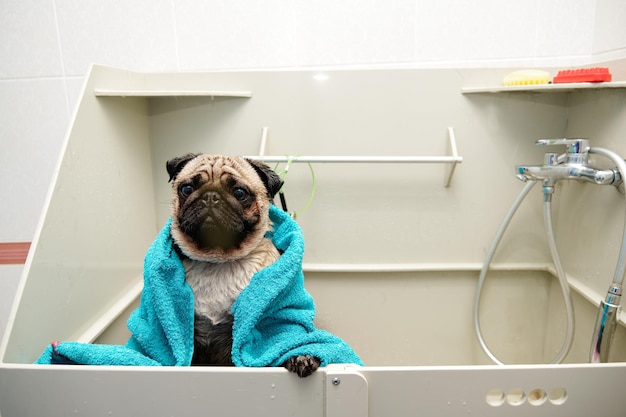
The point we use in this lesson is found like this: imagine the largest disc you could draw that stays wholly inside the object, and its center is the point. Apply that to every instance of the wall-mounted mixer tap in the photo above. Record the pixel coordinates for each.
(573, 165)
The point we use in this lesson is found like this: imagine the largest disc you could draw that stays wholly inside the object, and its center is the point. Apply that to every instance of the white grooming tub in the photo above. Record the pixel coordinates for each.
(393, 249)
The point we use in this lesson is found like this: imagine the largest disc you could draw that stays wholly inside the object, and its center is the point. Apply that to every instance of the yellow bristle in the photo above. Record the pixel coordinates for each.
(527, 77)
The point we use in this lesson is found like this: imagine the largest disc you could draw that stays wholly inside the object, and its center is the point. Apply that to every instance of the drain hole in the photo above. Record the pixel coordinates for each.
(557, 396)
(537, 396)
(495, 397)
(516, 396)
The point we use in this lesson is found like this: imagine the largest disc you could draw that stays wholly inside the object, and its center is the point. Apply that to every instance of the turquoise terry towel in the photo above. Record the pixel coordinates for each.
(274, 313)
(273, 316)
(161, 327)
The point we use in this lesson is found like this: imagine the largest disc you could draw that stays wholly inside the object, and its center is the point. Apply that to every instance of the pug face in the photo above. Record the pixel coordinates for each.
(220, 205)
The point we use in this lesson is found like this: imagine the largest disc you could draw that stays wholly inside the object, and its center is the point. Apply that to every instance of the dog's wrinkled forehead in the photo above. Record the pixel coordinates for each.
(215, 168)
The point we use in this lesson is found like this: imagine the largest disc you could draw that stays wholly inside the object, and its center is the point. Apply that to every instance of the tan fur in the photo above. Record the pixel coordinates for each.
(221, 231)
(215, 169)
(215, 275)
(216, 286)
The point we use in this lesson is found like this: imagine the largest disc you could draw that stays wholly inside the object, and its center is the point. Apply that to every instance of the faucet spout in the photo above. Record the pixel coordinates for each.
(553, 173)
(573, 146)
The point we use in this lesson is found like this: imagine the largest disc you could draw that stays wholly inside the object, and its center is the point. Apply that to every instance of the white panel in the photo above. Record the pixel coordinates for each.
(9, 279)
(224, 34)
(570, 390)
(346, 392)
(550, 391)
(565, 28)
(591, 218)
(462, 31)
(112, 194)
(74, 87)
(170, 391)
(610, 31)
(355, 32)
(375, 113)
(30, 139)
(138, 35)
(30, 43)
(96, 226)
(380, 214)
(425, 318)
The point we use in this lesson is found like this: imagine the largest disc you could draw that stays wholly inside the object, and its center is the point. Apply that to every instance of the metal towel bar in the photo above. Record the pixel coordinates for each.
(452, 159)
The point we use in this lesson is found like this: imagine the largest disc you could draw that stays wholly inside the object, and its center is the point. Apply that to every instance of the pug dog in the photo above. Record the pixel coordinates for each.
(220, 215)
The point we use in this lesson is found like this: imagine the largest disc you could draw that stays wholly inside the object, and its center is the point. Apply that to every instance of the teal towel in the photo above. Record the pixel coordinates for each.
(274, 313)
(161, 327)
(273, 316)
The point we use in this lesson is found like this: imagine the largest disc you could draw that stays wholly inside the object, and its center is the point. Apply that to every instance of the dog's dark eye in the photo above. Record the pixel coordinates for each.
(185, 190)
(240, 193)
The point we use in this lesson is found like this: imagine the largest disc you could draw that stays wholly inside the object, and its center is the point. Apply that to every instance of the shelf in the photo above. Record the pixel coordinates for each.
(544, 88)
(103, 92)
(450, 160)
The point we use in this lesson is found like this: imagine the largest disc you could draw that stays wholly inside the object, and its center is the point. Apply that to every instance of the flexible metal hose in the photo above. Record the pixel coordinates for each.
(606, 320)
(559, 268)
(560, 273)
(620, 269)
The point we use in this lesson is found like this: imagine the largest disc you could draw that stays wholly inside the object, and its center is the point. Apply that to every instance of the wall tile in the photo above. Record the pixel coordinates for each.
(137, 35)
(355, 32)
(30, 138)
(219, 34)
(610, 27)
(29, 44)
(565, 28)
(465, 31)
(74, 86)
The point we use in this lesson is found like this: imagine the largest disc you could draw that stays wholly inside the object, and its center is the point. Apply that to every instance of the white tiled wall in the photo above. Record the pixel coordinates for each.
(609, 29)
(46, 47)
(137, 34)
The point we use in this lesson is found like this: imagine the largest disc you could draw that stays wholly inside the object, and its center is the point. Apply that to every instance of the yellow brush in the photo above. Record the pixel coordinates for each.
(526, 77)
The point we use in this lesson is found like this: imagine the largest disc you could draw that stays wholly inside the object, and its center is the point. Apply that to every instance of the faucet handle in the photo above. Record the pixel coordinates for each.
(574, 146)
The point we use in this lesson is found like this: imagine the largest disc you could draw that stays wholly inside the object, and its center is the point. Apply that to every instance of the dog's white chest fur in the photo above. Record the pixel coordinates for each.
(217, 285)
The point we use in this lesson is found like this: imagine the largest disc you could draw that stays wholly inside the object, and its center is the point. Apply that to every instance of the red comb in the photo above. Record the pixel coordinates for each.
(583, 75)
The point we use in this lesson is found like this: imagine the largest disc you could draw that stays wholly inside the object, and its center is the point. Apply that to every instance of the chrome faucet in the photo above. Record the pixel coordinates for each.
(573, 165)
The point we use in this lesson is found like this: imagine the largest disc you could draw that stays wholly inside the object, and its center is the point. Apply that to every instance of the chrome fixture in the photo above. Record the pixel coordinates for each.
(606, 322)
(572, 165)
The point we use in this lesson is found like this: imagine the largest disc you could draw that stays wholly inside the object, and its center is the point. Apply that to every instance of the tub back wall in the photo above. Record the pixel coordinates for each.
(425, 318)
(377, 213)
(361, 214)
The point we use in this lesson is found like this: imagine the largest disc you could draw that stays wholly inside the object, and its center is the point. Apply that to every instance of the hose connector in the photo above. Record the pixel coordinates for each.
(606, 323)
(548, 190)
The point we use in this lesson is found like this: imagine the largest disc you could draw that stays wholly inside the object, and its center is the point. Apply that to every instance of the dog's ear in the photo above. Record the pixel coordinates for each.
(175, 165)
(272, 181)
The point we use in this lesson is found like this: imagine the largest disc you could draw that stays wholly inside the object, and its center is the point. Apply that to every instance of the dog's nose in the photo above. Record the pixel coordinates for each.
(211, 197)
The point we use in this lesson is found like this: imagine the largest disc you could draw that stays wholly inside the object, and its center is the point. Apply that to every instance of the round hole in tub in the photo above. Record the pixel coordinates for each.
(495, 397)
(557, 396)
(537, 396)
(516, 396)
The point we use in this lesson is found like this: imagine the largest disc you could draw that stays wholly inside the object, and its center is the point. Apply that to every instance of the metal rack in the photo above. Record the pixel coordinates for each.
(451, 159)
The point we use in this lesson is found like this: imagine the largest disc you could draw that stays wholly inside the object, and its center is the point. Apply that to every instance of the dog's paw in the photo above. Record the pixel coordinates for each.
(303, 365)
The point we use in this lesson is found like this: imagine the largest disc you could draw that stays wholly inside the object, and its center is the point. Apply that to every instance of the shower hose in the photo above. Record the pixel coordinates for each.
(569, 309)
